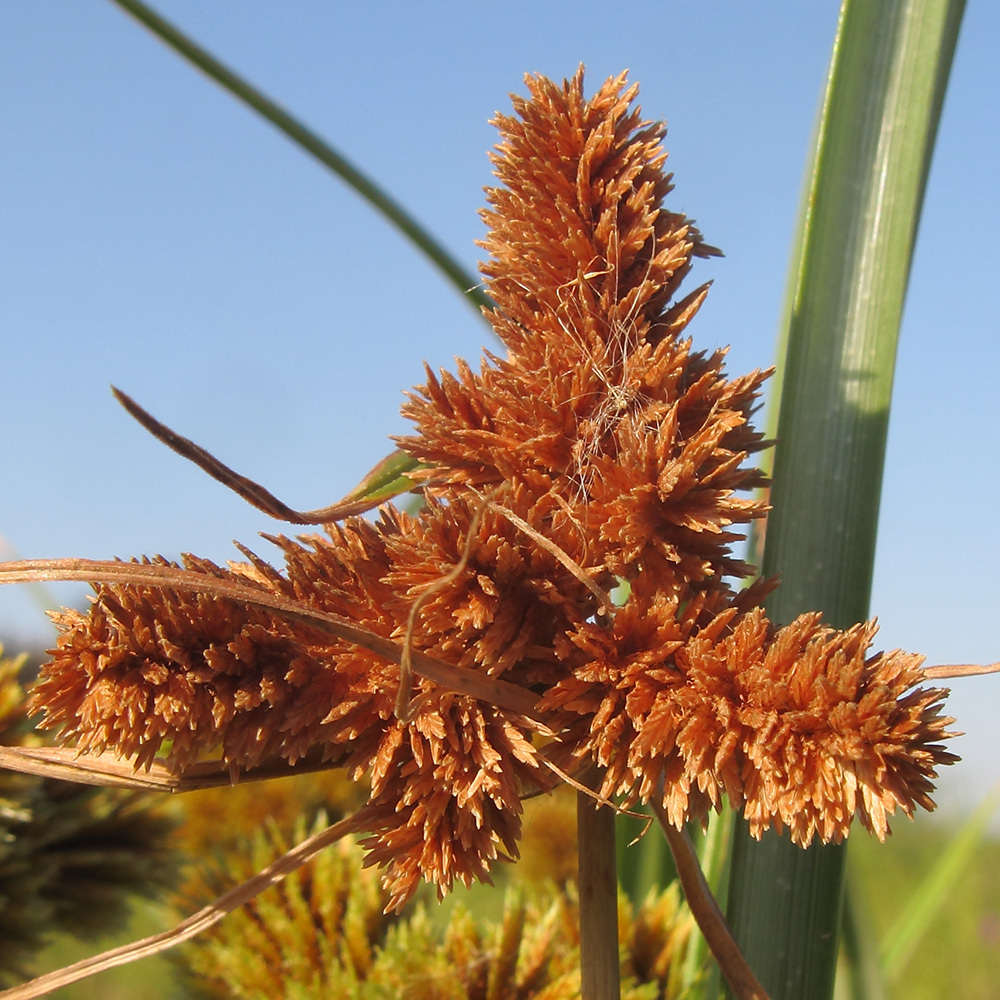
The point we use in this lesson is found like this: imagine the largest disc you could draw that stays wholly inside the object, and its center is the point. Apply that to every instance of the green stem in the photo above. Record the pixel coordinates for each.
(466, 283)
(714, 856)
(849, 273)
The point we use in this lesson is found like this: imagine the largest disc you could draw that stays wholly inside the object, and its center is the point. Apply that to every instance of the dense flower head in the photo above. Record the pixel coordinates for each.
(601, 451)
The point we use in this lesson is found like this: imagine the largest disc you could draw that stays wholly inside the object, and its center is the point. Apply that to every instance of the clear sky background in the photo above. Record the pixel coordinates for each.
(157, 235)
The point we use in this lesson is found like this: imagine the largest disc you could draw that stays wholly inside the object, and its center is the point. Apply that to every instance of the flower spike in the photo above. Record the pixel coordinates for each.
(602, 450)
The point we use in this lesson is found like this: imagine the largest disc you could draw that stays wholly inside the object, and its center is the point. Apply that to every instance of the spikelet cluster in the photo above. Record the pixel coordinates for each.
(600, 449)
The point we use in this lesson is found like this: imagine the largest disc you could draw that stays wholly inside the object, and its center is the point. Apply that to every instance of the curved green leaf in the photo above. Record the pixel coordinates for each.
(467, 284)
(849, 273)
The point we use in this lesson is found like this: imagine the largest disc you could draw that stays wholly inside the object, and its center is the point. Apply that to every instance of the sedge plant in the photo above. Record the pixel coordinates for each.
(471, 653)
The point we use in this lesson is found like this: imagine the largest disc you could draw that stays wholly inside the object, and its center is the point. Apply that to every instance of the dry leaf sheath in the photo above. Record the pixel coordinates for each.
(602, 448)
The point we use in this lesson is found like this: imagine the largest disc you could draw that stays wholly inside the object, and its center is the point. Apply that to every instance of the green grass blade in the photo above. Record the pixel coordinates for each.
(848, 279)
(859, 975)
(466, 283)
(915, 917)
(714, 857)
(645, 864)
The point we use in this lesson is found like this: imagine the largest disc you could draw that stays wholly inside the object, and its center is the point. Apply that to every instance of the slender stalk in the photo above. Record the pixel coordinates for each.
(598, 885)
(466, 283)
(849, 272)
(702, 904)
(494, 690)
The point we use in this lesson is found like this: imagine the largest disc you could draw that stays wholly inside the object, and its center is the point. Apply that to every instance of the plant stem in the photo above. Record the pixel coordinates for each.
(598, 886)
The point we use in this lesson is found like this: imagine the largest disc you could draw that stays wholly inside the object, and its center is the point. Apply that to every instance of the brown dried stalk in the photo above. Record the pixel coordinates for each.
(494, 691)
(597, 881)
(253, 493)
(960, 670)
(706, 912)
(110, 771)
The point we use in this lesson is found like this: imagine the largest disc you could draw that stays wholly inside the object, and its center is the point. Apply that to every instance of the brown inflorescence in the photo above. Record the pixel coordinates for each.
(601, 452)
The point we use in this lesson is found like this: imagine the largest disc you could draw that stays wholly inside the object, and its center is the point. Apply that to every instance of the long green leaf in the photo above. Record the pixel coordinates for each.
(849, 272)
(643, 864)
(466, 283)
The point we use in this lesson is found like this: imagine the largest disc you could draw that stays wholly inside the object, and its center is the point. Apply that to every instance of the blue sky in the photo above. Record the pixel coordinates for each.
(156, 235)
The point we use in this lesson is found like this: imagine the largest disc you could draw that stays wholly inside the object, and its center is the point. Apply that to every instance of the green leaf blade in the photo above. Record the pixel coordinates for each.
(848, 281)
(310, 142)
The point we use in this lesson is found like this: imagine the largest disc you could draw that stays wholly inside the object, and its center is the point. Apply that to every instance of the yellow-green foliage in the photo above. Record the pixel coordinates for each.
(313, 935)
(11, 694)
(532, 952)
(322, 932)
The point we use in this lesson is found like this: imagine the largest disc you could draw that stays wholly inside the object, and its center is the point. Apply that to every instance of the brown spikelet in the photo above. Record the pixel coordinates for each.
(601, 450)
